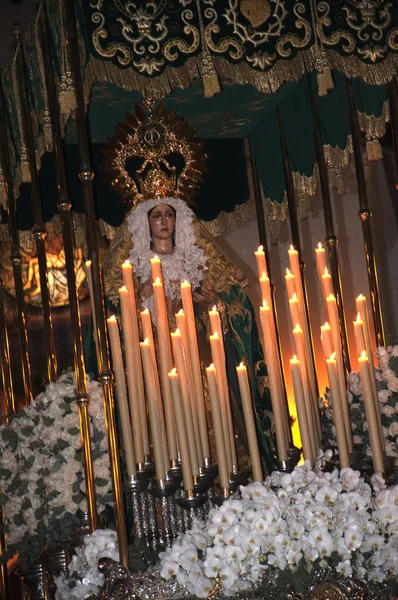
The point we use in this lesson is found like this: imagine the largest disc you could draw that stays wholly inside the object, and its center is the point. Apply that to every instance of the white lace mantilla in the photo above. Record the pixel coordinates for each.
(186, 263)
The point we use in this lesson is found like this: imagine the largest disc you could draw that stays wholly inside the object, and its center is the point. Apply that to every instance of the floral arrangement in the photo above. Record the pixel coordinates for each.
(83, 579)
(42, 484)
(292, 524)
(387, 390)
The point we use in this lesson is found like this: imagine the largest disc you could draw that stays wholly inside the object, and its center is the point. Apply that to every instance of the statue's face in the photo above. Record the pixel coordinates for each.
(162, 221)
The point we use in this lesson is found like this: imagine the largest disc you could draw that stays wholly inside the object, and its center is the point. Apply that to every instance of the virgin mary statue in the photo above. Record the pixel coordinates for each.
(160, 222)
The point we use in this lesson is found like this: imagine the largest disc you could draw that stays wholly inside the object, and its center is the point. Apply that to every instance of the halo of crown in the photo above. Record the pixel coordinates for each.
(154, 134)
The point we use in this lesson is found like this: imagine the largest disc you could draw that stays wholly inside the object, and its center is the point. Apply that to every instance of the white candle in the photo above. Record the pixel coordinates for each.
(187, 303)
(327, 286)
(326, 339)
(138, 388)
(247, 405)
(217, 426)
(320, 259)
(166, 365)
(121, 394)
(261, 262)
(290, 283)
(156, 269)
(305, 435)
(372, 415)
(338, 415)
(181, 431)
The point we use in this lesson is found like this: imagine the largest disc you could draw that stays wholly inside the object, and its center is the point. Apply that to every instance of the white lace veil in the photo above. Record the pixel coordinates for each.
(187, 262)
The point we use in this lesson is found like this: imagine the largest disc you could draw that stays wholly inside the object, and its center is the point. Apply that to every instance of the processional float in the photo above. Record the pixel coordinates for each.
(213, 67)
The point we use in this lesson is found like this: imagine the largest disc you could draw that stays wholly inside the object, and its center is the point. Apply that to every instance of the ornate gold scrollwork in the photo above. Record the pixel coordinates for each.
(344, 37)
(292, 39)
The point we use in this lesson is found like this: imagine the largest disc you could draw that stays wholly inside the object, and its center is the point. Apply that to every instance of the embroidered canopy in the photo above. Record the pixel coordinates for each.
(227, 67)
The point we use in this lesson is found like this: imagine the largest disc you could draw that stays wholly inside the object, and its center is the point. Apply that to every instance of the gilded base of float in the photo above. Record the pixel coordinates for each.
(325, 585)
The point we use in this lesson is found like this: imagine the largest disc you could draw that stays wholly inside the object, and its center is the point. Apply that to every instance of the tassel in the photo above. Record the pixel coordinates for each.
(25, 172)
(3, 195)
(211, 82)
(67, 101)
(373, 149)
(325, 82)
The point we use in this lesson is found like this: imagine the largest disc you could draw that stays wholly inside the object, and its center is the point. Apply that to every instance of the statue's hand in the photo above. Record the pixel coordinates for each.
(206, 295)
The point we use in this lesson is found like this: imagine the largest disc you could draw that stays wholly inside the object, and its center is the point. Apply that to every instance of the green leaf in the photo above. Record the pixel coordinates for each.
(100, 482)
(19, 520)
(27, 431)
(48, 421)
(73, 431)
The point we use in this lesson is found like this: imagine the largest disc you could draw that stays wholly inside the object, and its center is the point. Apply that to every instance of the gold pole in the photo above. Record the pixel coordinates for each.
(16, 259)
(331, 239)
(365, 215)
(39, 230)
(86, 176)
(5, 361)
(4, 591)
(64, 207)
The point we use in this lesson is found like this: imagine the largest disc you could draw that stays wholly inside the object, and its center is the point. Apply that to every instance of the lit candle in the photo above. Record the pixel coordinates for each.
(90, 290)
(216, 329)
(247, 405)
(261, 262)
(147, 331)
(153, 409)
(166, 365)
(182, 432)
(371, 415)
(156, 269)
(178, 354)
(359, 336)
(333, 318)
(121, 394)
(309, 408)
(218, 427)
(295, 371)
(327, 286)
(217, 360)
(326, 339)
(132, 382)
(138, 389)
(182, 326)
(187, 303)
(299, 288)
(277, 401)
(362, 309)
(265, 285)
(338, 415)
(290, 283)
(320, 259)
(295, 314)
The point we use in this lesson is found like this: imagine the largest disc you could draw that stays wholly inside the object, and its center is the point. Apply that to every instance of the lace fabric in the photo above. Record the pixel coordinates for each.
(186, 263)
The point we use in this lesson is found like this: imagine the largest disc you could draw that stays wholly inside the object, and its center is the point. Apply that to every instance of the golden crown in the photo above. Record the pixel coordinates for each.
(154, 135)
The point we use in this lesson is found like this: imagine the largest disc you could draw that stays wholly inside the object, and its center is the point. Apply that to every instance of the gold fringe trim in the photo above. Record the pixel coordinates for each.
(337, 161)
(305, 186)
(374, 128)
(325, 82)
(277, 213)
(374, 150)
(230, 221)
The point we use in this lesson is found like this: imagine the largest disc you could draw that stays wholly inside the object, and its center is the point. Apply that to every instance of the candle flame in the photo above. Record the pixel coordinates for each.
(126, 263)
(88, 264)
(123, 289)
(186, 283)
(326, 326)
(157, 281)
(181, 312)
(288, 273)
(361, 297)
(265, 305)
(263, 276)
(363, 355)
(260, 249)
(146, 342)
(330, 297)
(177, 332)
(320, 247)
(295, 358)
(112, 319)
(241, 366)
(214, 309)
(212, 366)
(156, 258)
(292, 248)
(293, 298)
(333, 356)
(297, 329)
(326, 271)
(358, 318)
(173, 371)
(145, 312)
(215, 336)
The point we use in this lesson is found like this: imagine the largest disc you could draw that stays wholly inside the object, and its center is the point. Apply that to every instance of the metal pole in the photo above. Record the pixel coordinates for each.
(365, 215)
(5, 361)
(254, 179)
(39, 230)
(86, 176)
(16, 259)
(331, 239)
(64, 207)
(295, 231)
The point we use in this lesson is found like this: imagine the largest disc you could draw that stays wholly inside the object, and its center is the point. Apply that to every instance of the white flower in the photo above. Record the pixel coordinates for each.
(384, 395)
(203, 587)
(376, 576)
(345, 568)
(169, 569)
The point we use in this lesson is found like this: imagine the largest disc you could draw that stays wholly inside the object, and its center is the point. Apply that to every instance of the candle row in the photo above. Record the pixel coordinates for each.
(165, 382)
